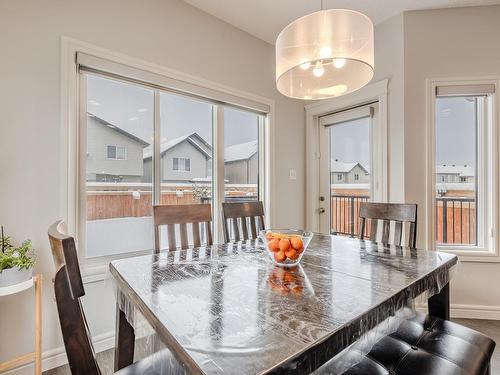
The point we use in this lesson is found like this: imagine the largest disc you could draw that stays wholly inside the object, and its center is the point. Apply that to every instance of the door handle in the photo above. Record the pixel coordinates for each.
(321, 210)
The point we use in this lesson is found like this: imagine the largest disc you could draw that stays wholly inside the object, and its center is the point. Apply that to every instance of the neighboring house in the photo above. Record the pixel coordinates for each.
(241, 163)
(348, 173)
(182, 159)
(454, 174)
(113, 155)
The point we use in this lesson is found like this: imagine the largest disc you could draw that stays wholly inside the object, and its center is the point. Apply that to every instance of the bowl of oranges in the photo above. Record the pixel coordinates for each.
(286, 246)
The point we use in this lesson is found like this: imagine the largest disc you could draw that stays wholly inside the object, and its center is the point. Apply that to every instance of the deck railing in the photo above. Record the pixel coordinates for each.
(456, 221)
(344, 218)
(455, 218)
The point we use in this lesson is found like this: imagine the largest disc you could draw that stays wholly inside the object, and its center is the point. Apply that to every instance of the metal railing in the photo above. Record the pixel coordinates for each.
(344, 217)
(456, 221)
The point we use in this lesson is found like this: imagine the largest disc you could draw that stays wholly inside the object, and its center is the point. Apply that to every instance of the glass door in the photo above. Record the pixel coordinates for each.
(347, 166)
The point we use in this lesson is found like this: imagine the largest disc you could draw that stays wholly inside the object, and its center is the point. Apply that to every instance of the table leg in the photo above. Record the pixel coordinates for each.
(124, 341)
(439, 304)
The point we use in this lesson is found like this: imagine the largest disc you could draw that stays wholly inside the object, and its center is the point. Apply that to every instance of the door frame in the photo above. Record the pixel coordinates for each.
(376, 91)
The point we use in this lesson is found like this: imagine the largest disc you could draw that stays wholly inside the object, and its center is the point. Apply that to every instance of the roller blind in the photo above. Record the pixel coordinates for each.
(465, 90)
(95, 64)
(347, 115)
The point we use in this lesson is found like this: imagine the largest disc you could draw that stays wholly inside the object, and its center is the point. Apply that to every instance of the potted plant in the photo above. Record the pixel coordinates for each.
(16, 263)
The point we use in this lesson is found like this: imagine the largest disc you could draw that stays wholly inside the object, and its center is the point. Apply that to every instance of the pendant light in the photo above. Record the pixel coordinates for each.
(325, 54)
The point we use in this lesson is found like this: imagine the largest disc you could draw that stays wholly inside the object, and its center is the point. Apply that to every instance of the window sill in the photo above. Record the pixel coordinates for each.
(470, 255)
(96, 269)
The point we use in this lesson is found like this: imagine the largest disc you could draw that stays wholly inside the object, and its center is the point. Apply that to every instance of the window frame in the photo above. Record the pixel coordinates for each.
(116, 152)
(487, 183)
(73, 152)
(179, 164)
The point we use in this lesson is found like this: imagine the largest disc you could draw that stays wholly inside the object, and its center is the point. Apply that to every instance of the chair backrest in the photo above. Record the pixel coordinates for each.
(237, 213)
(399, 213)
(181, 215)
(68, 288)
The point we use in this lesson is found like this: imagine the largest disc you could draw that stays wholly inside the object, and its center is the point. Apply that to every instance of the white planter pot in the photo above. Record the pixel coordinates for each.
(11, 276)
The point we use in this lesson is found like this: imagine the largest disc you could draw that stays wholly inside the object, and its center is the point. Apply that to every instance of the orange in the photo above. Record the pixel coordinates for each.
(292, 254)
(273, 245)
(280, 256)
(284, 244)
(297, 243)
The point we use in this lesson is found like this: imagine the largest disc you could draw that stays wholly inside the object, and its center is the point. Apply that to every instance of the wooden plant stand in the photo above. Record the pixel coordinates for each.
(35, 356)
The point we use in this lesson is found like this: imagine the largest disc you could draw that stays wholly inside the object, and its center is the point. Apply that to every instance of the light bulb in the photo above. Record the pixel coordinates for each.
(339, 63)
(318, 70)
(325, 52)
(305, 65)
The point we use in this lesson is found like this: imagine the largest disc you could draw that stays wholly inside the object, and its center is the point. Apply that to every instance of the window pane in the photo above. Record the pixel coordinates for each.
(456, 165)
(111, 152)
(186, 152)
(118, 180)
(349, 173)
(241, 155)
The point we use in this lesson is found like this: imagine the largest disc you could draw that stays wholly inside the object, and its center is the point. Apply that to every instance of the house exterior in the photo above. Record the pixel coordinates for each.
(113, 155)
(241, 163)
(183, 159)
(348, 173)
(455, 174)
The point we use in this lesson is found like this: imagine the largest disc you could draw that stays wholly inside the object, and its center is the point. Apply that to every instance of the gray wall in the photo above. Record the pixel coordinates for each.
(242, 171)
(199, 163)
(349, 177)
(98, 137)
(165, 32)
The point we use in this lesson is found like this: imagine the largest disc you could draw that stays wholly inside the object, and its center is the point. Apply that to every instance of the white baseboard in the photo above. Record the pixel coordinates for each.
(57, 357)
(475, 312)
(470, 311)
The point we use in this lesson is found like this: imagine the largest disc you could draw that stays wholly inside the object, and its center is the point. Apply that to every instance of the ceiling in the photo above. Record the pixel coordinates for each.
(265, 18)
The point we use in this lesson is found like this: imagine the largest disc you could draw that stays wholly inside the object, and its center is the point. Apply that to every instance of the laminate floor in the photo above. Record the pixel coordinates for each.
(490, 328)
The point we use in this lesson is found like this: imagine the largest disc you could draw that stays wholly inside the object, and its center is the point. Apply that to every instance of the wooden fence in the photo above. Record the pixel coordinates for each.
(113, 201)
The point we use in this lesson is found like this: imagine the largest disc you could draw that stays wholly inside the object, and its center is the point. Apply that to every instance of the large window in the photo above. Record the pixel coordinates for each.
(464, 168)
(119, 129)
(241, 155)
(145, 145)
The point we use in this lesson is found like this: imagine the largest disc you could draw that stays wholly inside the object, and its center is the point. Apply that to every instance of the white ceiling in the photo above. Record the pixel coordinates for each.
(265, 18)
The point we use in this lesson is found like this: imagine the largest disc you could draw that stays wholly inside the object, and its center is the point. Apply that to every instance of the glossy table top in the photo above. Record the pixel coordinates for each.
(228, 309)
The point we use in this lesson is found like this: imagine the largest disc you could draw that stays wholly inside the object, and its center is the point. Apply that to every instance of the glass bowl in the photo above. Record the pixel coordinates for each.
(285, 246)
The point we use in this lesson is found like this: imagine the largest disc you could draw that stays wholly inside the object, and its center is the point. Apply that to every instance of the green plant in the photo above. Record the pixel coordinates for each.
(15, 257)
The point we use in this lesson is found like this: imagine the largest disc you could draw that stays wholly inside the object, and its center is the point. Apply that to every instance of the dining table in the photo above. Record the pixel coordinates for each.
(228, 309)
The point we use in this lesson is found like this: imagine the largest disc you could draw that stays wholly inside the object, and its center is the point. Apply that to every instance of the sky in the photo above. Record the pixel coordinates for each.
(455, 131)
(350, 142)
(131, 108)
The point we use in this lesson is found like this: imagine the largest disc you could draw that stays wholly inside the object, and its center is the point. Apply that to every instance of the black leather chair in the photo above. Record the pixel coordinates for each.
(425, 345)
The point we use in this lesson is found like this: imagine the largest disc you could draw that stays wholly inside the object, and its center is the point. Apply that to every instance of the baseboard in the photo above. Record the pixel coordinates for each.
(470, 311)
(57, 357)
(475, 312)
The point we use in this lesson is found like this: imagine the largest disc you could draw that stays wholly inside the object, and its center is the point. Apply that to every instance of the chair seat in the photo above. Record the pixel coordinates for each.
(160, 363)
(428, 345)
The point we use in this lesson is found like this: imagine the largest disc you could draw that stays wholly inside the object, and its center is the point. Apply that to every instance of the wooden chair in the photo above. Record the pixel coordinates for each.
(235, 212)
(172, 215)
(68, 288)
(399, 213)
